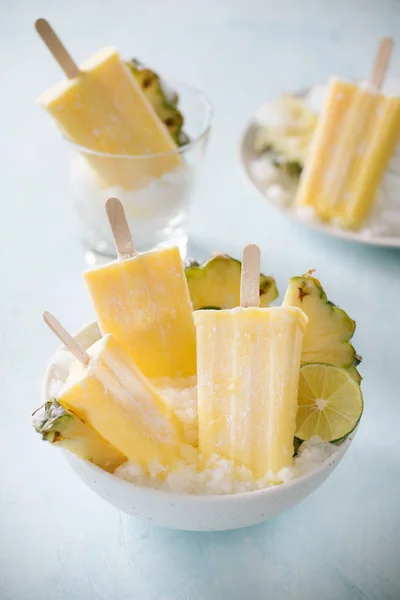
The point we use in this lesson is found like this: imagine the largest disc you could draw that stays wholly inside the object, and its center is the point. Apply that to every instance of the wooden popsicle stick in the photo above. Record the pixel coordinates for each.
(382, 60)
(250, 278)
(120, 229)
(67, 339)
(57, 48)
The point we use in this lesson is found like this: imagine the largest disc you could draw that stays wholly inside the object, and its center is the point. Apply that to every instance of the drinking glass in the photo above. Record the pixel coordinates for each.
(155, 189)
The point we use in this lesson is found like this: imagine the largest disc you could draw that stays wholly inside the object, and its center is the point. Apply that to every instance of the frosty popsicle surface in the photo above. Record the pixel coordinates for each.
(248, 373)
(143, 301)
(355, 138)
(111, 395)
(101, 107)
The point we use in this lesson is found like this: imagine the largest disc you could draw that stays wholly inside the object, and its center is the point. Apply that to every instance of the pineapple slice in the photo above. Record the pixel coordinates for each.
(164, 101)
(330, 329)
(216, 283)
(65, 430)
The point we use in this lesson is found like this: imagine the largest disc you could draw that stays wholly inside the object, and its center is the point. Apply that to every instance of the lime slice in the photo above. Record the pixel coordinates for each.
(330, 402)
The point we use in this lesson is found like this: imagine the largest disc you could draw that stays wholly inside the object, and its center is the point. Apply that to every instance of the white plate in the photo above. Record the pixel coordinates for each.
(248, 156)
(185, 511)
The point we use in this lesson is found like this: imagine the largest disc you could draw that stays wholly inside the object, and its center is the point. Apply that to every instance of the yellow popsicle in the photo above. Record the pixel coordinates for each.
(144, 303)
(104, 110)
(248, 374)
(118, 402)
(355, 138)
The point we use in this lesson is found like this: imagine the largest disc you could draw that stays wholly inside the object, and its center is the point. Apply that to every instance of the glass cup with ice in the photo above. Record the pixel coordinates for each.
(132, 138)
(155, 189)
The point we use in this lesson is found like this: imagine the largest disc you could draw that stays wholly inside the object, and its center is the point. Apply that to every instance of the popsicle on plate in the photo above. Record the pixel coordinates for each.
(248, 374)
(143, 301)
(110, 394)
(101, 107)
(355, 138)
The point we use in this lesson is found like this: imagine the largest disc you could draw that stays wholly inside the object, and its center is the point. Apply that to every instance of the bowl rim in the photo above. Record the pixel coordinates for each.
(179, 496)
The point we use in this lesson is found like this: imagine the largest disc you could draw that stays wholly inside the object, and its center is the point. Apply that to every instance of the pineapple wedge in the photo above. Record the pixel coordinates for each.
(329, 330)
(164, 102)
(216, 283)
(64, 429)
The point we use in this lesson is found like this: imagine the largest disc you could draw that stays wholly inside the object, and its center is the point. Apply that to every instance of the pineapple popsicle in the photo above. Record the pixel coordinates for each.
(248, 374)
(118, 402)
(101, 107)
(143, 301)
(355, 138)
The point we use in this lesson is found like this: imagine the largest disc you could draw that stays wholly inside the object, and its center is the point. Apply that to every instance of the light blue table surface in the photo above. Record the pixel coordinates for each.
(57, 539)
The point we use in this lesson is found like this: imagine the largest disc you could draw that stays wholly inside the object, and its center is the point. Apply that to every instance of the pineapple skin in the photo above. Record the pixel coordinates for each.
(215, 284)
(64, 429)
(330, 329)
(165, 107)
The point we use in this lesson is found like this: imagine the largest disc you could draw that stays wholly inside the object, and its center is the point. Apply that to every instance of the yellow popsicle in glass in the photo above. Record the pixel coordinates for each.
(102, 108)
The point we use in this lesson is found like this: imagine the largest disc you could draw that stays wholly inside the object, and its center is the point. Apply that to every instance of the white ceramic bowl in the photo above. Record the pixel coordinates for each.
(184, 511)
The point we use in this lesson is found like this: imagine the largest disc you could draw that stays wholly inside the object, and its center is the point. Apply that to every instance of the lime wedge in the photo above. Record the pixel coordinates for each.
(330, 402)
